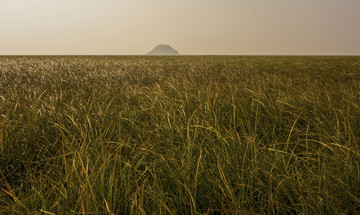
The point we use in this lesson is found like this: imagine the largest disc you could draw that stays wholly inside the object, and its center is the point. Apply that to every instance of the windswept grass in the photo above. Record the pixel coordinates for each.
(179, 135)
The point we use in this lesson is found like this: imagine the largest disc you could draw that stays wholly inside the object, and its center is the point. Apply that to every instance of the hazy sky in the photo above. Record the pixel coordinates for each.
(192, 27)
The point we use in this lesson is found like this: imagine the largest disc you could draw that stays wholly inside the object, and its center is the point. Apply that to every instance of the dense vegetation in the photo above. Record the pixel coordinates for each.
(179, 135)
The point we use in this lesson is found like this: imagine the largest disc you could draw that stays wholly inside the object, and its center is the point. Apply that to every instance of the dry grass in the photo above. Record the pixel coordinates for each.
(179, 135)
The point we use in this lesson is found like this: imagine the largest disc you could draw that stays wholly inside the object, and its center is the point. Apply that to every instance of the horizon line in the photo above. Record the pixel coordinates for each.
(147, 55)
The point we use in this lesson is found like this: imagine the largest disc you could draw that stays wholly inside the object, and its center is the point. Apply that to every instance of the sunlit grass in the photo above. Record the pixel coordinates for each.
(179, 135)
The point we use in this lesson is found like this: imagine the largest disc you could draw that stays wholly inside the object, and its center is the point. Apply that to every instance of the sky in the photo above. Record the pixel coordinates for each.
(193, 27)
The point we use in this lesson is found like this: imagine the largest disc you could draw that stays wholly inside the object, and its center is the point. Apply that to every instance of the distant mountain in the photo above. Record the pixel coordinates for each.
(163, 50)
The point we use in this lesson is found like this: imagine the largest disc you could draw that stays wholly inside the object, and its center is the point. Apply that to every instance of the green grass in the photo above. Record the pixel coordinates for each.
(179, 135)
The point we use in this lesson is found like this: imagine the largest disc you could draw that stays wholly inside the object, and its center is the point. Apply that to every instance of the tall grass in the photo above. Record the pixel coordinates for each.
(179, 135)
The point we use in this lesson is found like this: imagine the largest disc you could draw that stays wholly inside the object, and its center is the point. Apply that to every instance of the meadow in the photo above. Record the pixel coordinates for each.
(179, 135)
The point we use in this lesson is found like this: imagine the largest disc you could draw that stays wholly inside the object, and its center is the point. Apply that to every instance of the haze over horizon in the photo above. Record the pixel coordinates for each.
(204, 27)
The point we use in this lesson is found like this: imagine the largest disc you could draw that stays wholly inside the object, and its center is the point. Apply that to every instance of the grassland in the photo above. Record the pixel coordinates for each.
(179, 135)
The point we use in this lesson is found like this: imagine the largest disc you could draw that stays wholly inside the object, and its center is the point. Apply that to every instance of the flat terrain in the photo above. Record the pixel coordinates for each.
(179, 135)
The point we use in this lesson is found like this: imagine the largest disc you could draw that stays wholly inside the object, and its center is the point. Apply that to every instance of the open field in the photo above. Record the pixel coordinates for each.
(179, 135)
